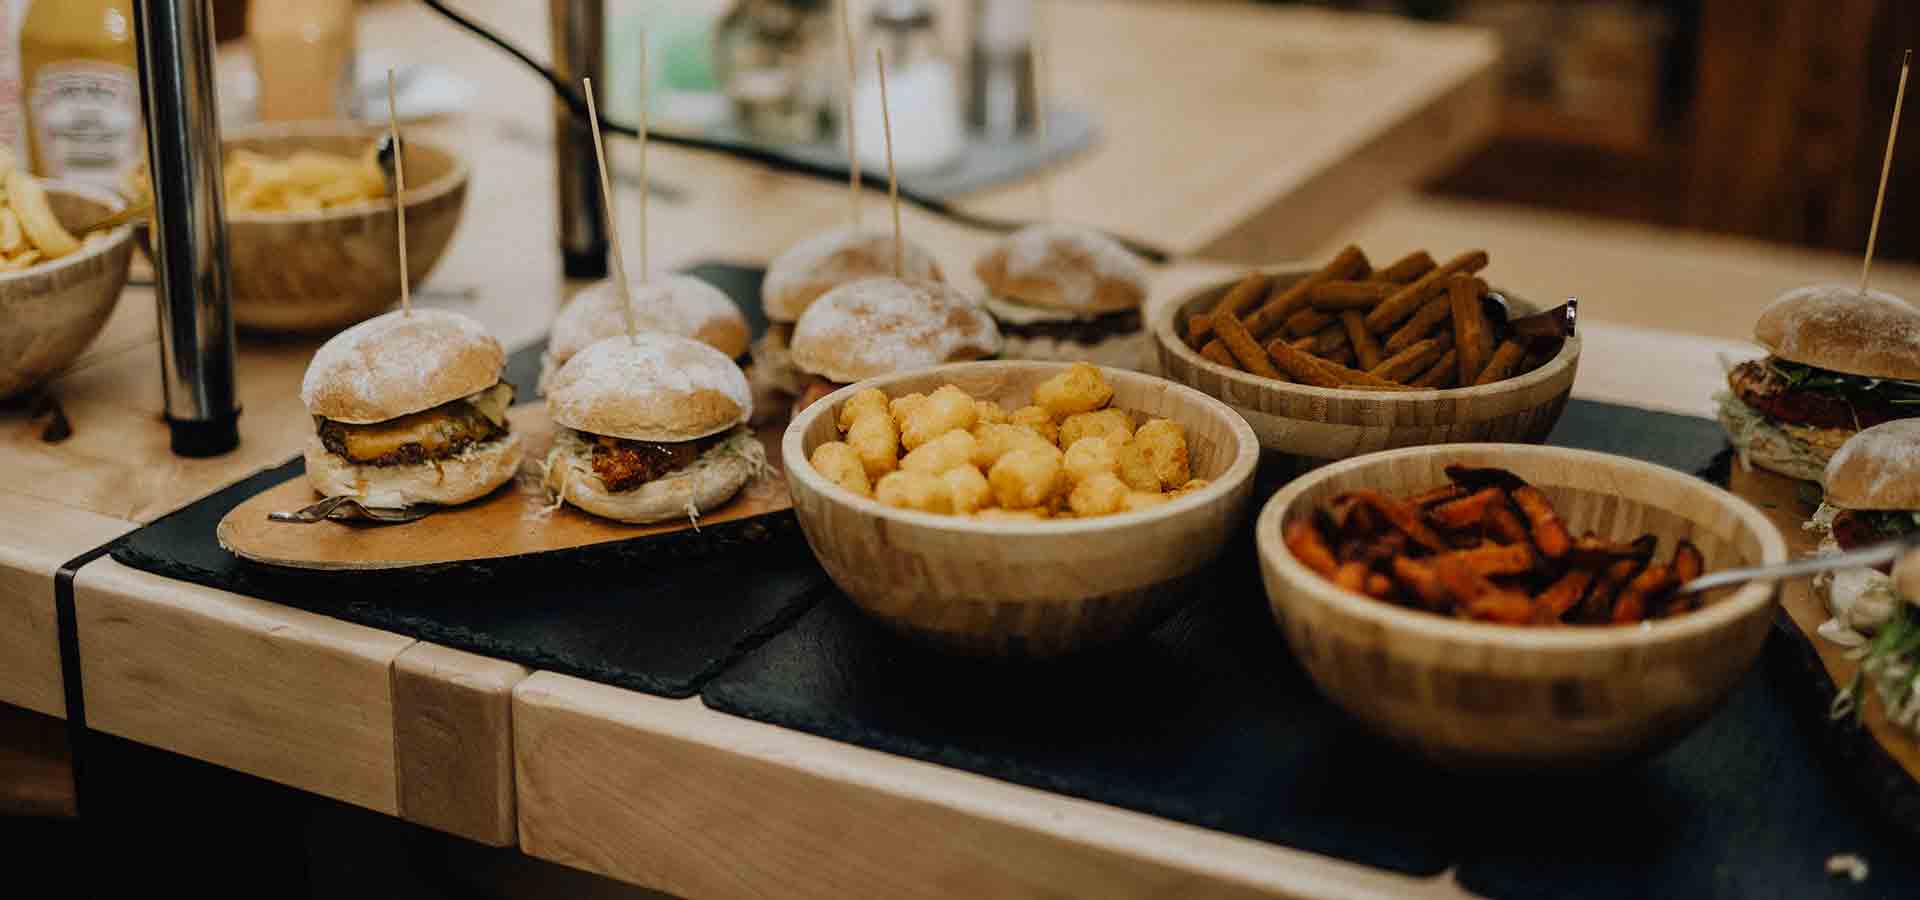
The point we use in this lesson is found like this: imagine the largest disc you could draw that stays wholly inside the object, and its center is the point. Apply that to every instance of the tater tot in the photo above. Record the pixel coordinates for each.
(1113, 424)
(875, 439)
(1090, 456)
(914, 490)
(950, 450)
(1078, 389)
(945, 410)
(1024, 479)
(989, 413)
(1193, 485)
(969, 489)
(842, 466)
(1098, 495)
(867, 402)
(1037, 420)
(995, 441)
(1165, 444)
(1136, 469)
(901, 407)
(1138, 500)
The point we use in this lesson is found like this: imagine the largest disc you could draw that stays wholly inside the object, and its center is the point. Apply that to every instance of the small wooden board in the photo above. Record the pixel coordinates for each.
(1782, 499)
(512, 521)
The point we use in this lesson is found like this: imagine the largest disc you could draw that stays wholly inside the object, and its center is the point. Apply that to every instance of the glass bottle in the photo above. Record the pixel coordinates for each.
(770, 58)
(303, 52)
(82, 87)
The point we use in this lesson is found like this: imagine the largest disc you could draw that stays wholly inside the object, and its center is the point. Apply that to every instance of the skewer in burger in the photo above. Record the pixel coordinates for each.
(1063, 292)
(1872, 495)
(1841, 360)
(652, 428)
(807, 272)
(409, 408)
(680, 304)
(884, 325)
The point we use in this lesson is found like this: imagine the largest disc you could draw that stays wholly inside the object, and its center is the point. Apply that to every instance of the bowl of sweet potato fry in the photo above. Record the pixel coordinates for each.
(1516, 607)
(1343, 359)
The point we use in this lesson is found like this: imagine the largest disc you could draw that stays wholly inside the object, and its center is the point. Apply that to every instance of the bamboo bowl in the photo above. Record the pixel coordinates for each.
(49, 313)
(1024, 589)
(1312, 425)
(1479, 695)
(325, 270)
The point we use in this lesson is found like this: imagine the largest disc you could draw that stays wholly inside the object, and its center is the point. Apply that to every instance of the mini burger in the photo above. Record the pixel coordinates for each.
(409, 408)
(1872, 495)
(680, 304)
(650, 428)
(1062, 292)
(884, 325)
(806, 272)
(1841, 360)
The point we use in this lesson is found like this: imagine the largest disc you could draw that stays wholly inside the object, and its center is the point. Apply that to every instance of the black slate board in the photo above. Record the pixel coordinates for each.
(1208, 721)
(659, 616)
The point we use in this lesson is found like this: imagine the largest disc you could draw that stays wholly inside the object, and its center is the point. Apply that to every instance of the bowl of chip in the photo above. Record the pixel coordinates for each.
(1016, 547)
(50, 310)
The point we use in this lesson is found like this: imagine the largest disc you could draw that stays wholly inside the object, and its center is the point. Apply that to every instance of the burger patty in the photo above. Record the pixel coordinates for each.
(1076, 331)
(442, 432)
(623, 465)
(1759, 386)
(1854, 528)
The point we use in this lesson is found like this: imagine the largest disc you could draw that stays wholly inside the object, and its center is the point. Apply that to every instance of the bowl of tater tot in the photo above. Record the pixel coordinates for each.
(1015, 508)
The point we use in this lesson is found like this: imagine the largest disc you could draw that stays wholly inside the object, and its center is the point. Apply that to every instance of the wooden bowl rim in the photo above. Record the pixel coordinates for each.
(800, 469)
(116, 237)
(1163, 316)
(1391, 618)
(416, 195)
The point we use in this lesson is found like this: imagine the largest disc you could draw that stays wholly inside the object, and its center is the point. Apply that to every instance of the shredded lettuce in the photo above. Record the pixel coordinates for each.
(1743, 422)
(1809, 378)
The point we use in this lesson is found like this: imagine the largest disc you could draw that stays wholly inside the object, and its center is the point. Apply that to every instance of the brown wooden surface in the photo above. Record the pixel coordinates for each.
(453, 741)
(515, 520)
(36, 538)
(36, 765)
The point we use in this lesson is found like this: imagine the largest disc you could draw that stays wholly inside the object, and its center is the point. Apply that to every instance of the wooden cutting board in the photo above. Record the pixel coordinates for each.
(1783, 500)
(512, 521)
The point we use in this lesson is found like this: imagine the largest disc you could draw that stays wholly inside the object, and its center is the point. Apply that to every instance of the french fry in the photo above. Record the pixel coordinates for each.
(1267, 319)
(1422, 581)
(1218, 353)
(1437, 496)
(1352, 576)
(1643, 592)
(1506, 525)
(1327, 340)
(1404, 517)
(1444, 373)
(29, 202)
(1242, 345)
(1334, 296)
(1199, 326)
(1420, 327)
(1490, 559)
(1407, 268)
(1354, 378)
(1366, 350)
(1592, 549)
(1549, 533)
(1379, 587)
(1563, 595)
(1403, 304)
(1307, 321)
(1343, 356)
(1473, 336)
(1503, 362)
(1402, 366)
(1306, 544)
(1245, 293)
(1597, 606)
(1467, 511)
(1303, 366)
(1480, 598)
(1687, 565)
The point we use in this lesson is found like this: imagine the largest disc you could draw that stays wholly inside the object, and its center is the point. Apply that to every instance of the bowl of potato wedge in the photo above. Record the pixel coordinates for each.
(311, 230)
(1018, 509)
(56, 289)
(1514, 607)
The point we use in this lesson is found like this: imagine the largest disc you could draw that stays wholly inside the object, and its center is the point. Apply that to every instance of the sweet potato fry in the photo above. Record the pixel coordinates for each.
(1404, 517)
(1505, 525)
(1687, 565)
(1472, 333)
(1591, 549)
(1480, 598)
(1563, 595)
(1502, 364)
(1303, 366)
(1490, 559)
(1403, 304)
(1334, 296)
(1379, 587)
(1244, 294)
(1351, 576)
(1549, 533)
(1436, 496)
(1422, 582)
(1402, 366)
(1597, 606)
(1467, 511)
(1444, 373)
(1309, 547)
(1407, 268)
(1242, 345)
(1418, 328)
(1366, 350)
(1647, 589)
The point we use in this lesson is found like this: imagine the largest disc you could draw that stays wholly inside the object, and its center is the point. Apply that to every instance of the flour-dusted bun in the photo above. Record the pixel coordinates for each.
(704, 485)
(884, 325)
(651, 387)
(400, 363)
(1879, 468)
(470, 475)
(830, 259)
(1064, 267)
(1840, 328)
(680, 304)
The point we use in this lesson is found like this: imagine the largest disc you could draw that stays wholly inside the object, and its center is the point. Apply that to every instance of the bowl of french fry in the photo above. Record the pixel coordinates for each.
(56, 289)
(1343, 359)
(1516, 607)
(312, 243)
(1018, 509)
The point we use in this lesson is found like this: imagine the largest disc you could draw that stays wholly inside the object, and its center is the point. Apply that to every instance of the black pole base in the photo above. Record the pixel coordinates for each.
(198, 438)
(576, 264)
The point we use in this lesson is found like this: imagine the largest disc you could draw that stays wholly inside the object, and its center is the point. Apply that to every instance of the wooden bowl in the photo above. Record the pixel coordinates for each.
(319, 271)
(1312, 425)
(49, 313)
(1481, 695)
(1024, 589)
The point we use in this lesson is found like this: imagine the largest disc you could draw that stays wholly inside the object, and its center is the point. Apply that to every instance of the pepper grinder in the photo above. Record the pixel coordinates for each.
(175, 40)
(579, 36)
(1001, 95)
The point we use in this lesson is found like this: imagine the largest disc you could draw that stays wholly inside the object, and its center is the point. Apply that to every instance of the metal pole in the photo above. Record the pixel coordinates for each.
(579, 36)
(189, 224)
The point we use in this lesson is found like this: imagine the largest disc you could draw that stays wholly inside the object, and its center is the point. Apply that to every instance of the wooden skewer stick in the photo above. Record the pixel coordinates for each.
(893, 182)
(1886, 165)
(853, 150)
(400, 193)
(606, 199)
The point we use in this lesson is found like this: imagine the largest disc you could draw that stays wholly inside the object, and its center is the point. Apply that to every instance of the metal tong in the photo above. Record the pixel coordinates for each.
(1865, 557)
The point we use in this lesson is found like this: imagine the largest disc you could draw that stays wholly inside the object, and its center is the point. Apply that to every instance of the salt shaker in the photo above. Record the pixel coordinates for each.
(921, 83)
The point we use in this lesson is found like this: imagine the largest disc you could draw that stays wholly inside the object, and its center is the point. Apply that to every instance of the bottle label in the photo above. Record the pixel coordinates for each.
(86, 121)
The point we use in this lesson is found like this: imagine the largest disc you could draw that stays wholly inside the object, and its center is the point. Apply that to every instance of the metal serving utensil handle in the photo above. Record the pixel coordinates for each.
(175, 40)
(1865, 557)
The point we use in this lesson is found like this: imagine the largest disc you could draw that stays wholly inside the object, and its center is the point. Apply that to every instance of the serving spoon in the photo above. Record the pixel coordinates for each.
(1862, 558)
